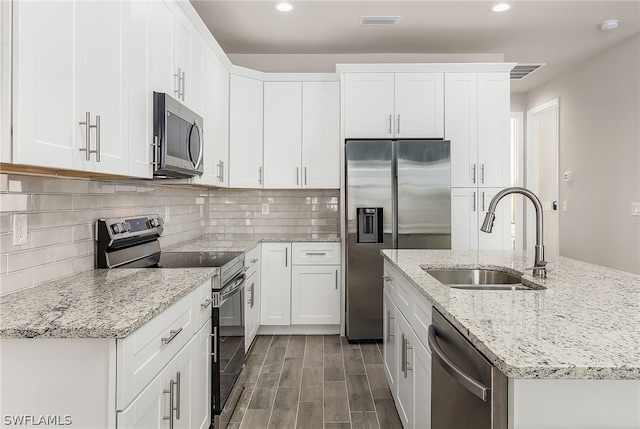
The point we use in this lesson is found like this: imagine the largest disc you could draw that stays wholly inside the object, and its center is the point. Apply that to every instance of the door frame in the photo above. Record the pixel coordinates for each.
(517, 173)
(531, 166)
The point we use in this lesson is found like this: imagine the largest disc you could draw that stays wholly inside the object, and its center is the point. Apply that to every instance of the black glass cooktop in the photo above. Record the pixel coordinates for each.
(195, 259)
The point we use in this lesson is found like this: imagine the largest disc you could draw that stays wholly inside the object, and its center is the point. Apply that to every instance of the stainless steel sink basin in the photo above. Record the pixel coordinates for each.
(478, 279)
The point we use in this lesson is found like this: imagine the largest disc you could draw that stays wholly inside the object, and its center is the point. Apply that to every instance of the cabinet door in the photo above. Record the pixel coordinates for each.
(200, 405)
(196, 83)
(282, 134)
(140, 102)
(210, 175)
(419, 105)
(44, 77)
(183, 30)
(421, 385)
(461, 126)
(390, 341)
(152, 408)
(500, 237)
(275, 279)
(368, 105)
(464, 218)
(221, 125)
(104, 90)
(320, 135)
(493, 129)
(404, 356)
(163, 44)
(245, 132)
(251, 309)
(315, 295)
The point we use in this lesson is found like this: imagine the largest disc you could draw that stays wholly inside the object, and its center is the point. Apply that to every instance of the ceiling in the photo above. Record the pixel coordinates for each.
(561, 34)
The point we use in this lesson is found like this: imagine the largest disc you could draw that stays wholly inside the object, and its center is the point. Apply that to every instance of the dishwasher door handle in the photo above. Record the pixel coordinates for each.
(472, 385)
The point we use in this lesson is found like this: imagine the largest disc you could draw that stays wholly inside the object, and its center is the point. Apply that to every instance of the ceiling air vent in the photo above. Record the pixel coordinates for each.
(522, 70)
(379, 20)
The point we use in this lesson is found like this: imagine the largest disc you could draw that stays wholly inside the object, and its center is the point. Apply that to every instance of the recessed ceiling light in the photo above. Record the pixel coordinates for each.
(500, 7)
(284, 7)
(609, 24)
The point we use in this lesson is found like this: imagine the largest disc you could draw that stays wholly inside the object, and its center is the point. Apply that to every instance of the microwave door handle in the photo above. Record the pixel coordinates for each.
(472, 385)
(201, 141)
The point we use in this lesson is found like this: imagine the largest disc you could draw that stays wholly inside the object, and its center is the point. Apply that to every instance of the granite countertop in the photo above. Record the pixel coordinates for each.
(585, 324)
(112, 303)
(211, 244)
(96, 304)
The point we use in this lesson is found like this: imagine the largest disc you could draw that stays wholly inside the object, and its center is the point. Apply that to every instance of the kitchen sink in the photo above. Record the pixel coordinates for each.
(478, 279)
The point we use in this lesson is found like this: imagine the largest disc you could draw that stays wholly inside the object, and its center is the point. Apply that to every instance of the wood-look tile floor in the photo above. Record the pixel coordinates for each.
(314, 381)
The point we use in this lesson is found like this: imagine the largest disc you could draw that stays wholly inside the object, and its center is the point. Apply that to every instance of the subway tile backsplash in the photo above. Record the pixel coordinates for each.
(62, 214)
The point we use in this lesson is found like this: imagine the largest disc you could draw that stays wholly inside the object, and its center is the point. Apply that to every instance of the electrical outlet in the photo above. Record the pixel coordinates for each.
(265, 208)
(19, 229)
(635, 209)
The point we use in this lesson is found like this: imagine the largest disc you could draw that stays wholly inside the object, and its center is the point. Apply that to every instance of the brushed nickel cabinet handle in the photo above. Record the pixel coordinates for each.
(483, 201)
(172, 335)
(171, 400)
(177, 396)
(207, 302)
(482, 173)
(87, 134)
(183, 85)
(260, 176)
(390, 119)
(316, 253)
(215, 344)
(398, 124)
(155, 147)
(297, 176)
(474, 173)
(97, 151)
(403, 357)
(177, 90)
(389, 319)
(336, 279)
(286, 256)
(305, 176)
(474, 201)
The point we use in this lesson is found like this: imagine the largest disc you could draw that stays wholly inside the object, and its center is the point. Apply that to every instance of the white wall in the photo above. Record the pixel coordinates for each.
(600, 143)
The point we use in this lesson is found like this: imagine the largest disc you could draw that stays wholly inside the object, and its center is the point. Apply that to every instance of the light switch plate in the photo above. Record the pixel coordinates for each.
(635, 209)
(19, 229)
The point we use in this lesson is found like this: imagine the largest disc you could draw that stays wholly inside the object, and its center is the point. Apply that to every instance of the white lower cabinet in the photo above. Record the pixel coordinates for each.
(407, 360)
(300, 284)
(252, 262)
(315, 295)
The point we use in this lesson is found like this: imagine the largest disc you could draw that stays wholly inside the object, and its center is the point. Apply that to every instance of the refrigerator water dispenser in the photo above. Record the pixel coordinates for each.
(369, 225)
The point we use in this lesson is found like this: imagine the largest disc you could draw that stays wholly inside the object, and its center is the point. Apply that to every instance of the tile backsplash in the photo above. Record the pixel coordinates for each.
(61, 215)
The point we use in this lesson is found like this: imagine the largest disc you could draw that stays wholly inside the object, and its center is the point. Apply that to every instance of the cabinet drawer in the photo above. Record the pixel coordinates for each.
(252, 260)
(141, 355)
(202, 305)
(315, 253)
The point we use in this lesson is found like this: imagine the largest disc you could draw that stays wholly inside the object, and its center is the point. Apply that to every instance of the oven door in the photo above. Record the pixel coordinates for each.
(228, 348)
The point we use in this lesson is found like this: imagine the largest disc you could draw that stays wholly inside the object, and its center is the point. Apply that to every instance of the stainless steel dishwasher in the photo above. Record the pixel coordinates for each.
(467, 391)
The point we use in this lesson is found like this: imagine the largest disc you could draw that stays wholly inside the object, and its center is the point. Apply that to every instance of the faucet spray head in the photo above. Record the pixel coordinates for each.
(487, 225)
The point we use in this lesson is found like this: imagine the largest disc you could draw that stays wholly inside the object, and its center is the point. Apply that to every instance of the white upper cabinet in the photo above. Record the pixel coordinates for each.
(70, 64)
(245, 132)
(221, 125)
(394, 105)
(320, 135)
(163, 47)
(282, 134)
(477, 112)
(419, 105)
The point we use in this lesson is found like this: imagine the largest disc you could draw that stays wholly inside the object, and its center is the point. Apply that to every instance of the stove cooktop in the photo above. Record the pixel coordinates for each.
(196, 259)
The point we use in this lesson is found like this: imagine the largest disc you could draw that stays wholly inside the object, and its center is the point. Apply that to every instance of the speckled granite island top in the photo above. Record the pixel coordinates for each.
(97, 303)
(584, 325)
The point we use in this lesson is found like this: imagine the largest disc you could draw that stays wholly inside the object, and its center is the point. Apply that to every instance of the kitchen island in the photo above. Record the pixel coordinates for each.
(571, 349)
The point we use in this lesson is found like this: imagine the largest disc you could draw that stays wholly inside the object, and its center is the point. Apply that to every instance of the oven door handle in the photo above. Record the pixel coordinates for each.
(471, 384)
(234, 287)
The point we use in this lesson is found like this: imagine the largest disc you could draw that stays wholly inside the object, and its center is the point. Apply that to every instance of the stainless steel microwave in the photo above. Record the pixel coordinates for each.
(177, 139)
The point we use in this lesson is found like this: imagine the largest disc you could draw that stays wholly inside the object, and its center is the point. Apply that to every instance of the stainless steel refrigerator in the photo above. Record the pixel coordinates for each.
(398, 196)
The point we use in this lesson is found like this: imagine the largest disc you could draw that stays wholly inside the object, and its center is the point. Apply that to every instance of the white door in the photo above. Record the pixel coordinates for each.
(543, 173)
(389, 341)
(44, 103)
(315, 295)
(368, 104)
(210, 175)
(163, 47)
(275, 305)
(494, 162)
(200, 405)
(464, 218)
(221, 125)
(419, 105)
(245, 132)
(105, 87)
(282, 134)
(140, 100)
(461, 126)
(321, 135)
(404, 356)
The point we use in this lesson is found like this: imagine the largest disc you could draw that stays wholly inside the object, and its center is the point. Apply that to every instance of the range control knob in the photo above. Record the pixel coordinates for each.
(126, 226)
(153, 222)
(116, 228)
